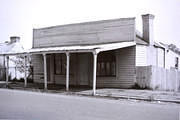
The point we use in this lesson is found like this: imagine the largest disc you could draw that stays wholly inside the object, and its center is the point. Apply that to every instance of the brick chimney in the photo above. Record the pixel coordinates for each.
(14, 39)
(148, 34)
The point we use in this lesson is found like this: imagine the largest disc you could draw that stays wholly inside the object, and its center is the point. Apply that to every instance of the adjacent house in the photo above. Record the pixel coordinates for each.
(157, 67)
(161, 55)
(13, 45)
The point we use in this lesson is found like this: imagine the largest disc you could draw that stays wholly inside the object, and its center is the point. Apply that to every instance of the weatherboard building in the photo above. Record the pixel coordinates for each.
(103, 53)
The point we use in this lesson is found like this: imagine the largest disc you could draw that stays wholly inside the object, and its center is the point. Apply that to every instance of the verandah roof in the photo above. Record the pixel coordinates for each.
(71, 49)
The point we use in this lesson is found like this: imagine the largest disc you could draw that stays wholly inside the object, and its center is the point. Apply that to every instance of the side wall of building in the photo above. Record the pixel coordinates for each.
(141, 55)
(149, 55)
(160, 58)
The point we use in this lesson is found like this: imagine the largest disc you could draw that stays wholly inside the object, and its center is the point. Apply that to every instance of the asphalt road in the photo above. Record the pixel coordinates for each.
(21, 105)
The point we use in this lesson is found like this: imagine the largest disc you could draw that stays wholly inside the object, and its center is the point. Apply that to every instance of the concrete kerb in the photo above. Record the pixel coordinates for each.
(123, 98)
(151, 97)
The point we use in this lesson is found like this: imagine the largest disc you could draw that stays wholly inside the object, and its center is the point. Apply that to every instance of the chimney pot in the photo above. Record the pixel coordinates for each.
(148, 16)
(14, 39)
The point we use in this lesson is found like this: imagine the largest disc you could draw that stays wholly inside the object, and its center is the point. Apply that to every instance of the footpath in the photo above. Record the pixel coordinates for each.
(131, 94)
(146, 95)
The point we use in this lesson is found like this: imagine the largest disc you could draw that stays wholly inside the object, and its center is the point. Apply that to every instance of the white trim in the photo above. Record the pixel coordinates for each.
(94, 72)
(45, 71)
(67, 70)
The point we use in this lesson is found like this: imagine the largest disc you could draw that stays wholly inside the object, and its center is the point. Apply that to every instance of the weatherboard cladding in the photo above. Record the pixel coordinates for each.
(38, 70)
(125, 70)
(141, 55)
(126, 66)
(98, 32)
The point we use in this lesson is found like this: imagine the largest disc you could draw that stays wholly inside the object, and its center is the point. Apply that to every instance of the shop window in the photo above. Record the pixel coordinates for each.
(106, 65)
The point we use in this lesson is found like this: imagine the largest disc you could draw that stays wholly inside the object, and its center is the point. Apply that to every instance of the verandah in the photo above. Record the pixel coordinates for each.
(94, 49)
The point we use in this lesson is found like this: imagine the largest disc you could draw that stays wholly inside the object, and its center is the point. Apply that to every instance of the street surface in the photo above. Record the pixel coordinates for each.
(23, 105)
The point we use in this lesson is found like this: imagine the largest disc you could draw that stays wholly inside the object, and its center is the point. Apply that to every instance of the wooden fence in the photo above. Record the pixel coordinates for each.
(158, 78)
(16, 73)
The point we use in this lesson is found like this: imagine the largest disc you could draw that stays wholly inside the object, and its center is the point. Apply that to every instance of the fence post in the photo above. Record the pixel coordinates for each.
(176, 83)
(15, 73)
(25, 74)
(4, 64)
(7, 70)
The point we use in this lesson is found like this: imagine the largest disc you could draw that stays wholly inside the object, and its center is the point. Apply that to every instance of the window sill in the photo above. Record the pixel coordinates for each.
(107, 76)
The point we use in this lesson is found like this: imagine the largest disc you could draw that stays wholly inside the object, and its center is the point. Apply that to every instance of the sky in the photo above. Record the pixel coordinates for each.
(19, 17)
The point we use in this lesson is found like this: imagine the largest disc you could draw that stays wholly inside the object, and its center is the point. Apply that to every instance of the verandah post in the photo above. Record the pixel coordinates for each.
(67, 70)
(94, 71)
(45, 71)
(25, 71)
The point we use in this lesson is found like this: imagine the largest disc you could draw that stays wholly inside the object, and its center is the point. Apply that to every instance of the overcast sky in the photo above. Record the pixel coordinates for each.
(19, 17)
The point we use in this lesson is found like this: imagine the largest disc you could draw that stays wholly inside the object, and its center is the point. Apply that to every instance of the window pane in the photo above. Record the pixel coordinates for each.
(98, 68)
(63, 68)
(108, 69)
(60, 64)
(113, 68)
(176, 62)
(106, 65)
(103, 68)
(57, 64)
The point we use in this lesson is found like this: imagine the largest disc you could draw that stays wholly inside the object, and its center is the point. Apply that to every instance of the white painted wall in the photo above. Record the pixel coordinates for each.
(150, 55)
(11, 47)
(141, 55)
(170, 59)
(160, 57)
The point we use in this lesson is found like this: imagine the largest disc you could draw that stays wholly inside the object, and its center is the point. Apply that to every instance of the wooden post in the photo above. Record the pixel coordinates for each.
(45, 71)
(15, 72)
(94, 72)
(67, 70)
(25, 71)
(4, 67)
(7, 70)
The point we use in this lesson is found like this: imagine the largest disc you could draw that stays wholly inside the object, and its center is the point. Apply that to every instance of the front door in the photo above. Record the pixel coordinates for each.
(83, 66)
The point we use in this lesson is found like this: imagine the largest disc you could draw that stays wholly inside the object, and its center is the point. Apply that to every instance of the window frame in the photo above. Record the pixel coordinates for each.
(62, 61)
(106, 58)
(176, 62)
